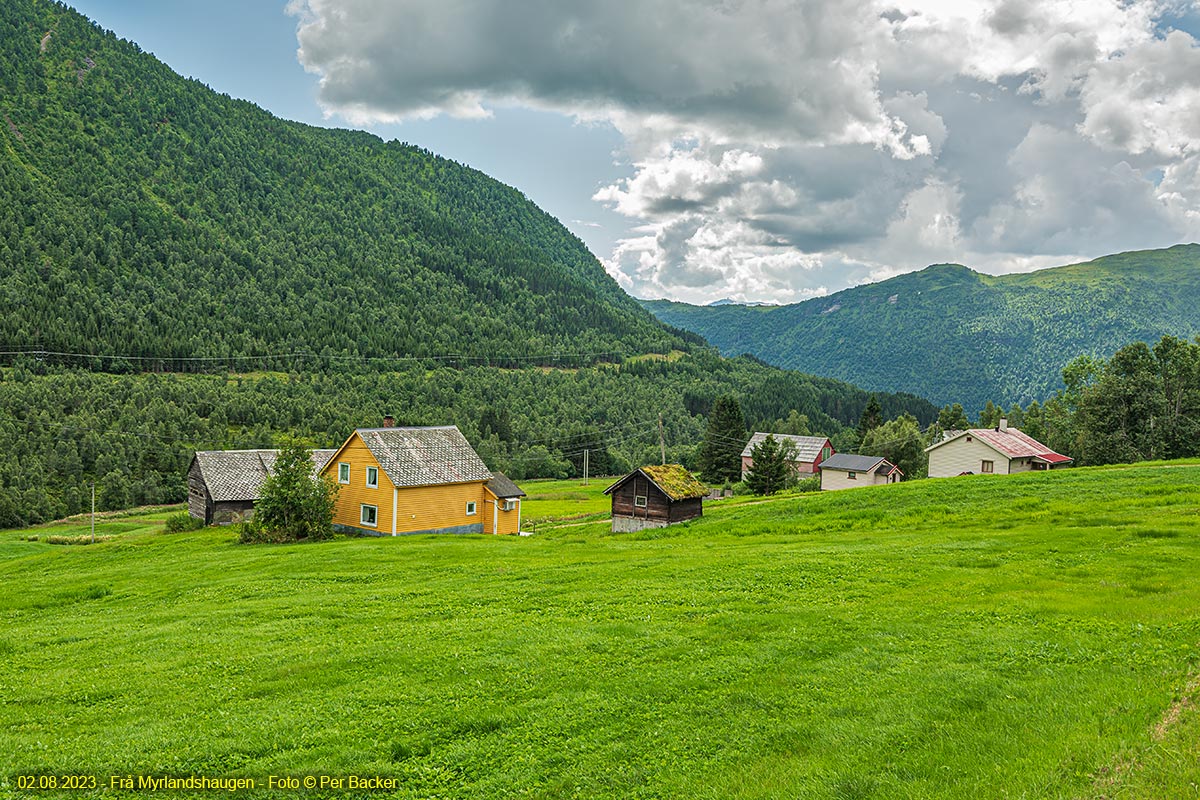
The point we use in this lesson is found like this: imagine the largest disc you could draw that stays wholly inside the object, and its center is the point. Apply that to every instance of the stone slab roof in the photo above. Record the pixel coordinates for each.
(425, 456)
(808, 448)
(238, 475)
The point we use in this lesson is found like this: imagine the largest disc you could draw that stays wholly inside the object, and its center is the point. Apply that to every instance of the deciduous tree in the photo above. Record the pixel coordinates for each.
(296, 504)
(900, 441)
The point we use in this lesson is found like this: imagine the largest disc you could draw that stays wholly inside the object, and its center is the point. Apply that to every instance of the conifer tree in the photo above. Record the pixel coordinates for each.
(772, 470)
(724, 440)
(872, 417)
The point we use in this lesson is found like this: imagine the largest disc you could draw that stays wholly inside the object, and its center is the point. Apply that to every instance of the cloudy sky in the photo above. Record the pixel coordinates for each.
(760, 150)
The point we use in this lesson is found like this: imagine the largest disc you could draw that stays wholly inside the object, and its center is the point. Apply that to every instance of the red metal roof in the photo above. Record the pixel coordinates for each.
(1017, 444)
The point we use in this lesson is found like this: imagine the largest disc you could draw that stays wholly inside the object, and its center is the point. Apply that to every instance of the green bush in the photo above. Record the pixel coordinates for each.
(183, 521)
(295, 504)
(249, 533)
(811, 484)
(81, 539)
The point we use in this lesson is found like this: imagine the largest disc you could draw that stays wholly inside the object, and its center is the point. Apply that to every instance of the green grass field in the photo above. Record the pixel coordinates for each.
(558, 502)
(1012, 636)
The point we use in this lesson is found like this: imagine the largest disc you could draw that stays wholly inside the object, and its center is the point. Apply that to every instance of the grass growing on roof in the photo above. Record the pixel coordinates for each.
(676, 481)
(1032, 635)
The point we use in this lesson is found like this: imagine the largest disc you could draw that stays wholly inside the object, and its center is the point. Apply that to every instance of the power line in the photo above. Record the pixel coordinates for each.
(306, 355)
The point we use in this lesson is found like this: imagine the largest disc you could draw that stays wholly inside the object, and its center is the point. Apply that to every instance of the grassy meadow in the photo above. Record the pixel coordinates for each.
(1031, 636)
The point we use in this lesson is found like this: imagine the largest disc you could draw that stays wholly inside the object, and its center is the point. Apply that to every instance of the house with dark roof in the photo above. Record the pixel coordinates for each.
(503, 500)
(847, 470)
(1001, 450)
(654, 497)
(400, 480)
(224, 485)
(810, 451)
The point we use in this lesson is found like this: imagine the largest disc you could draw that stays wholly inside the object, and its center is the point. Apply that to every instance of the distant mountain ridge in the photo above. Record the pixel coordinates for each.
(951, 334)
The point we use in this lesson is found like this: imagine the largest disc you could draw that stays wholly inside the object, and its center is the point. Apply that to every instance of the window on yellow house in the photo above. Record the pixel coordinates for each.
(372, 477)
(369, 515)
(471, 509)
(343, 473)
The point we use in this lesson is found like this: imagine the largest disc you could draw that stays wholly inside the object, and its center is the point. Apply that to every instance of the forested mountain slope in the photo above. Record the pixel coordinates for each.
(145, 214)
(954, 335)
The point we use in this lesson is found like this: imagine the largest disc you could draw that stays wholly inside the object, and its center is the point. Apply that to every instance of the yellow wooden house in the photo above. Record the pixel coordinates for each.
(399, 480)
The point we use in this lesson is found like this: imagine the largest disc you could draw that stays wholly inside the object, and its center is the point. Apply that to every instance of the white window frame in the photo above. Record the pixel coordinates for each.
(362, 515)
(343, 467)
(472, 509)
(640, 500)
(374, 485)
(508, 504)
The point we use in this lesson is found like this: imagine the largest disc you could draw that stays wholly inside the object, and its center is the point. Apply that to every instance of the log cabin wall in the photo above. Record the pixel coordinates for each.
(657, 507)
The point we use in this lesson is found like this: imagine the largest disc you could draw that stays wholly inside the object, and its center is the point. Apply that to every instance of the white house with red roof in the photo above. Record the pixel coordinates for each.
(1001, 450)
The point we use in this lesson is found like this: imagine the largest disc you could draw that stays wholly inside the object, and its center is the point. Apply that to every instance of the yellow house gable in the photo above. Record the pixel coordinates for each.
(370, 502)
(365, 492)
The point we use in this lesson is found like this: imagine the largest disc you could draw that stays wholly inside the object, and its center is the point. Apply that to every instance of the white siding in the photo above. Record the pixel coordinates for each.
(959, 456)
(837, 479)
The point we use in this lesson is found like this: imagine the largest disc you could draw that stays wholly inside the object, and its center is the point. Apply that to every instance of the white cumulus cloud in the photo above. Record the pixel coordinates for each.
(778, 149)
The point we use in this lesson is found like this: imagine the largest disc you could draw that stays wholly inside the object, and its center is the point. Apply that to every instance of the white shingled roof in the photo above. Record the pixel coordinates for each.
(807, 447)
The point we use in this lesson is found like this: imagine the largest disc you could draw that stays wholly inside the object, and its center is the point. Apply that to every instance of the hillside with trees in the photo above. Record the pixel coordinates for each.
(153, 228)
(148, 216)
(950, 334)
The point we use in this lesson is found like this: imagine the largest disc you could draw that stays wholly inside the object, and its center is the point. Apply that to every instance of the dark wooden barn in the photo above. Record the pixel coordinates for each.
(656, 496)
(224, 485)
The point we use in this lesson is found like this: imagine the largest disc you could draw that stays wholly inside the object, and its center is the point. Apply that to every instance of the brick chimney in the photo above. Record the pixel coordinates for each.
(389, 421)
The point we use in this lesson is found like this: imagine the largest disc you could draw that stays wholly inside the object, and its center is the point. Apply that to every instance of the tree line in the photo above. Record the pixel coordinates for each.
(1141, 404)
(134, 435)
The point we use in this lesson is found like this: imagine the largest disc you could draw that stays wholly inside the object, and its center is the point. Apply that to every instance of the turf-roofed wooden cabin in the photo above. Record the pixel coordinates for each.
(655, 496)
(398, 480)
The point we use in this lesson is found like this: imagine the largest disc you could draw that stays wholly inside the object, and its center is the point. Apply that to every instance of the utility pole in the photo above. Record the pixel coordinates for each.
(93, 512)
(662, 443)
(585, 467)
